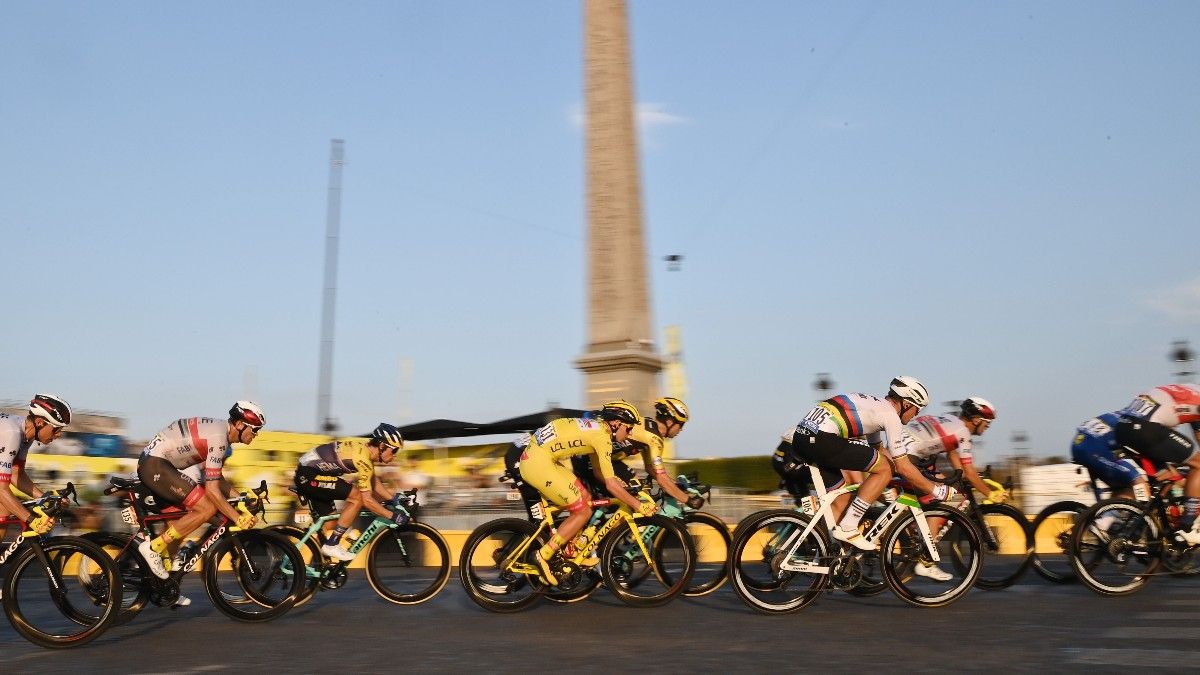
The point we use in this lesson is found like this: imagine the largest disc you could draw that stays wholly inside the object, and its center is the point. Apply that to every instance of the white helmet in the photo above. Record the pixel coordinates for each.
(248, 412)
(51, 408)
(909, 389)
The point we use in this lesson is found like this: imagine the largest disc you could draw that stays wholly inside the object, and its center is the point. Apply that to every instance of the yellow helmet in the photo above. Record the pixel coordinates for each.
(672, 408)
(621, 411)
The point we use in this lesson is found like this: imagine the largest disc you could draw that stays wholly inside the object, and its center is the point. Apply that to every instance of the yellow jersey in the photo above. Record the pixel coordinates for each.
(343, 457)
(646, 440)
(571, 436)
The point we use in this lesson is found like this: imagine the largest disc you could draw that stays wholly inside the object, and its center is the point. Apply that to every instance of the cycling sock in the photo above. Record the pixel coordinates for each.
(549, 548)
(160, 544)
(336, 537)
(854, 514)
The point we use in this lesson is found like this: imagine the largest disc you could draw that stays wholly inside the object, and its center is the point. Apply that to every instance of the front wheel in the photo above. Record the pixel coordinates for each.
(1052, 529)
(642, 580)
(909, 567)
(1116, 547)
(409, 565)
(310, 552)
(710, 535)
(492, 563)
(1007, 541)
(68, 602)
(256, 564)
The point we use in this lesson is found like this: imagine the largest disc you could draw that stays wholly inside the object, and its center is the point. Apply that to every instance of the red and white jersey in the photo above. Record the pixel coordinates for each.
(934, 434)
(1169, 405)
(192, 441)
(13, 446)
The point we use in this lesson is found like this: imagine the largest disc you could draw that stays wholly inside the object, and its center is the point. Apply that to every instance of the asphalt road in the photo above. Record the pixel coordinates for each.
(1033, 626)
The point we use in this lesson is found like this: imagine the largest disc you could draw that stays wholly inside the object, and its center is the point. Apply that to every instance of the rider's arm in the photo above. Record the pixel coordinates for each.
(969, 472)
(652, 450)
(22, 481)
(602, 461)
(913, 475)
(214, 478)
(381, 489)
(365, 480)
(10, 504)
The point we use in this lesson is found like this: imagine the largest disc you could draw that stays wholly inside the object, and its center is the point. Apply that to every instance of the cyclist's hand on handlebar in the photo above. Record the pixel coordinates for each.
(998, 496)
(246, 521)
(400, 517)
(40, 523)
(647, 508)
(695, 502)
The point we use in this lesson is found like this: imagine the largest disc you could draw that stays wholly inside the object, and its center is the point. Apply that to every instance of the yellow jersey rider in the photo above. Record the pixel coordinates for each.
(648, 438)
(544, 465)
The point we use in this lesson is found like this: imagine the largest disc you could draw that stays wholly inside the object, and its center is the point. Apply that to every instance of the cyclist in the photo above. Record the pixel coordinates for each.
(1093, 447)
(647, 439)
(183, 444)
(48, 416)
(932, 435)
(537, 462)
(1147, 425)
(322, 475)
(847, 432)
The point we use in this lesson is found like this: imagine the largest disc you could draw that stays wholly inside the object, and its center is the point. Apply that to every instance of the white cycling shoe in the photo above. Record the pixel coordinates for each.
(337, 552)
(932, 571)
(1191, 537)
(853, 537)
(153, 560)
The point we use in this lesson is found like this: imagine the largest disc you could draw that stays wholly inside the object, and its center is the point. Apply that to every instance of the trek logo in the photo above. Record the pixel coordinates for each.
(882, 523)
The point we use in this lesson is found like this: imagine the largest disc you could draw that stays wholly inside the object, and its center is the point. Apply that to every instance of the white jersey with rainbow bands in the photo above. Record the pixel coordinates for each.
(857, 416)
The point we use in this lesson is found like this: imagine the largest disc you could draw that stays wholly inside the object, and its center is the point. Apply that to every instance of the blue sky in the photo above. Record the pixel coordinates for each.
(996, 198)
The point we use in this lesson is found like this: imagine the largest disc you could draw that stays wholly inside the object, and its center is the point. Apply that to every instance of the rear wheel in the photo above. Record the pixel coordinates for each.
(1007, 541)
(1116, 547)
(310, 552)
(409, 565)
(135, 586)
(488, 565)
(67, 603)
(710, 535)
(1052, 529)
(758, 552)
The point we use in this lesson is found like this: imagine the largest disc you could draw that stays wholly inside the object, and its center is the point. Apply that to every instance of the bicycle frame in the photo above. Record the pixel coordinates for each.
(904, 502)
(377, 526)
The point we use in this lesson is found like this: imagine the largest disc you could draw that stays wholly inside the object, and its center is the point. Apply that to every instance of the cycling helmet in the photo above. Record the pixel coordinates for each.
(909, 389)
(387, 433)
(621, 411)
(51, 408)
(671, 408)
(976, 406)
(248, 412)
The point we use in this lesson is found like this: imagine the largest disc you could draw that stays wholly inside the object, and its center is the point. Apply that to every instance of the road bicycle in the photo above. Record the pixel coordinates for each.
(57, 591)
(245, 572)
(781, 560)
(642, 567)
(406, 564)
(1006, 559)
(1120, 544)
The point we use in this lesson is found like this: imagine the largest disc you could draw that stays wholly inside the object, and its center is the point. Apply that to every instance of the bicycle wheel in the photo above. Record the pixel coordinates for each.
(582, 590)
(903, 549)
(1052, 541)
(67, 603)
(256, 564)
(409, 565)
(135, 586)
(642, 580)
(872, 582)
(1115, 547)
(711, 538)
(492, 583)
(1007, 541)
(758, 552)
(310, 552)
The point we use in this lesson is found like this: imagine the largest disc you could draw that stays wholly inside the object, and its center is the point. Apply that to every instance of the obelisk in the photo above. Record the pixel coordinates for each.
(620, 360)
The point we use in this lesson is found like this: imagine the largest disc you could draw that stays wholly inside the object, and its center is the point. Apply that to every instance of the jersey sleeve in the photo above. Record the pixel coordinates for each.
(10, 448)
(651, 445)
(214, 462)
(601, 444)
(896, 438)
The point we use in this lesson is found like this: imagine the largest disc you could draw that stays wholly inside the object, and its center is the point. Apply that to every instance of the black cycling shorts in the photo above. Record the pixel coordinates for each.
(1157, 443)
(831, 453)
(320, 490)
(530, 497)
(793, 472)
(167, 483)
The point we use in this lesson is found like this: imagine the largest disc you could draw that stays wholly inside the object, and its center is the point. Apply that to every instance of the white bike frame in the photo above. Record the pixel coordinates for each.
(824, 511)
